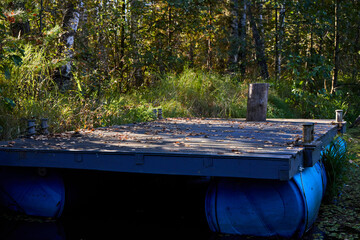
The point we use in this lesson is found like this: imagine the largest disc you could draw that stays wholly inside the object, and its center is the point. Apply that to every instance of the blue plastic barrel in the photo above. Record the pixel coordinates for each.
(23, 190)
(266, 207)
(338, 147)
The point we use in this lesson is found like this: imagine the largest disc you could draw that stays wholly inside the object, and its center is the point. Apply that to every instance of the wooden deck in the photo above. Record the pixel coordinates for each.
(203, 147)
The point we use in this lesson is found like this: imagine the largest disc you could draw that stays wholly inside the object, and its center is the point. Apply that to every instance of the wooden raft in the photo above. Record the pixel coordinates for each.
(183, 146)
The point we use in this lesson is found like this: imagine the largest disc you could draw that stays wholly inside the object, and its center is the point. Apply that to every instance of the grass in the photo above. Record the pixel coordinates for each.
(95, 102)
(193, 93)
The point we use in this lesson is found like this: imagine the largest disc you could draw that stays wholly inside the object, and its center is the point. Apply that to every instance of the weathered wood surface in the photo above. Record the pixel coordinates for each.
(257, 102)
(200, 147)
(176, 135)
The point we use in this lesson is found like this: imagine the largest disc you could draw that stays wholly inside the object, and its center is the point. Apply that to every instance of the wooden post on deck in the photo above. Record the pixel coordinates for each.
(339, 121)
(44, 126)
(339, 116)
(308, 132)
(31, 127)
(160, 114)
(257, 102)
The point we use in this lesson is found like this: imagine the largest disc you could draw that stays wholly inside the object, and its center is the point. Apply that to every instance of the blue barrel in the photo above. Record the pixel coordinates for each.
(337, 147)
(23, 190)
(265, 208)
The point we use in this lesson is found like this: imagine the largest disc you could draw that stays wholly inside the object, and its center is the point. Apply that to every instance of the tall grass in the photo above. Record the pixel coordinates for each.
(199, 93)
(193, 93)
(336, 159)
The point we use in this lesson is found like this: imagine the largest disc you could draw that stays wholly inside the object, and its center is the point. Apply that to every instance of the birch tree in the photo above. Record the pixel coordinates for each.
(279, 39)
(336, 46)
(234, 35)
(242, 52)
(69, 25)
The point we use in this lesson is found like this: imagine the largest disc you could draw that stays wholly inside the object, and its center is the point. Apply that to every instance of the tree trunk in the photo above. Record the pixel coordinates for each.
(242, 52)
(137, 73)
(234, 36)
(337, 49)
(279, 40)
(41, 16)
(169, 31)
(356, 56)
(191, 53)
(122, 43)
(209, 45)
(257, 102)
(259, 45)
(70, 25)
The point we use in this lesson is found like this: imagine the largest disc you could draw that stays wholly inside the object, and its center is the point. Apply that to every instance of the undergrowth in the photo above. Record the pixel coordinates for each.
(31, 93)
(193, 93)
(337, 159)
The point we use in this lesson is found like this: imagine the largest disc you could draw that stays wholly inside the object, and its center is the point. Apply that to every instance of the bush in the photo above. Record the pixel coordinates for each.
(337, 162)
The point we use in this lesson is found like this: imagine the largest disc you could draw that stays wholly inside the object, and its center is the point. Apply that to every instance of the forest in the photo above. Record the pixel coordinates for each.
(85, 64)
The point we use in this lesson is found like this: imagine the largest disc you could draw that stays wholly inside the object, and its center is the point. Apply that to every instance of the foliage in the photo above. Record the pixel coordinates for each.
(203, 94)
(10, 56)
(132, 56)
(337, 163)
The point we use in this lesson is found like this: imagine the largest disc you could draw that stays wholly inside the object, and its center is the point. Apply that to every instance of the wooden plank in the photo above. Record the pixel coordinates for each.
(179, 135)
(254, 166)
(206, 147)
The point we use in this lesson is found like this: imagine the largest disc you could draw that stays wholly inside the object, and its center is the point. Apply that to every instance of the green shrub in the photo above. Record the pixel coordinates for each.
(202, 94)
(336, 160)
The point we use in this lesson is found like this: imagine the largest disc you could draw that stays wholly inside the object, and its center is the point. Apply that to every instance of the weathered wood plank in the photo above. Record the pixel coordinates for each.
(229, 137)
(207, 147)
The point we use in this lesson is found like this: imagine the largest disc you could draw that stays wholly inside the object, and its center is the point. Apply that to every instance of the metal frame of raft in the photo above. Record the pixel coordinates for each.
(260, 194)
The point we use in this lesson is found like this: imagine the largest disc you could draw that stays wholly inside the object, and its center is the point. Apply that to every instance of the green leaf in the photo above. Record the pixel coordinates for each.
(9, 102)
(7, 72)
(17, 60)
